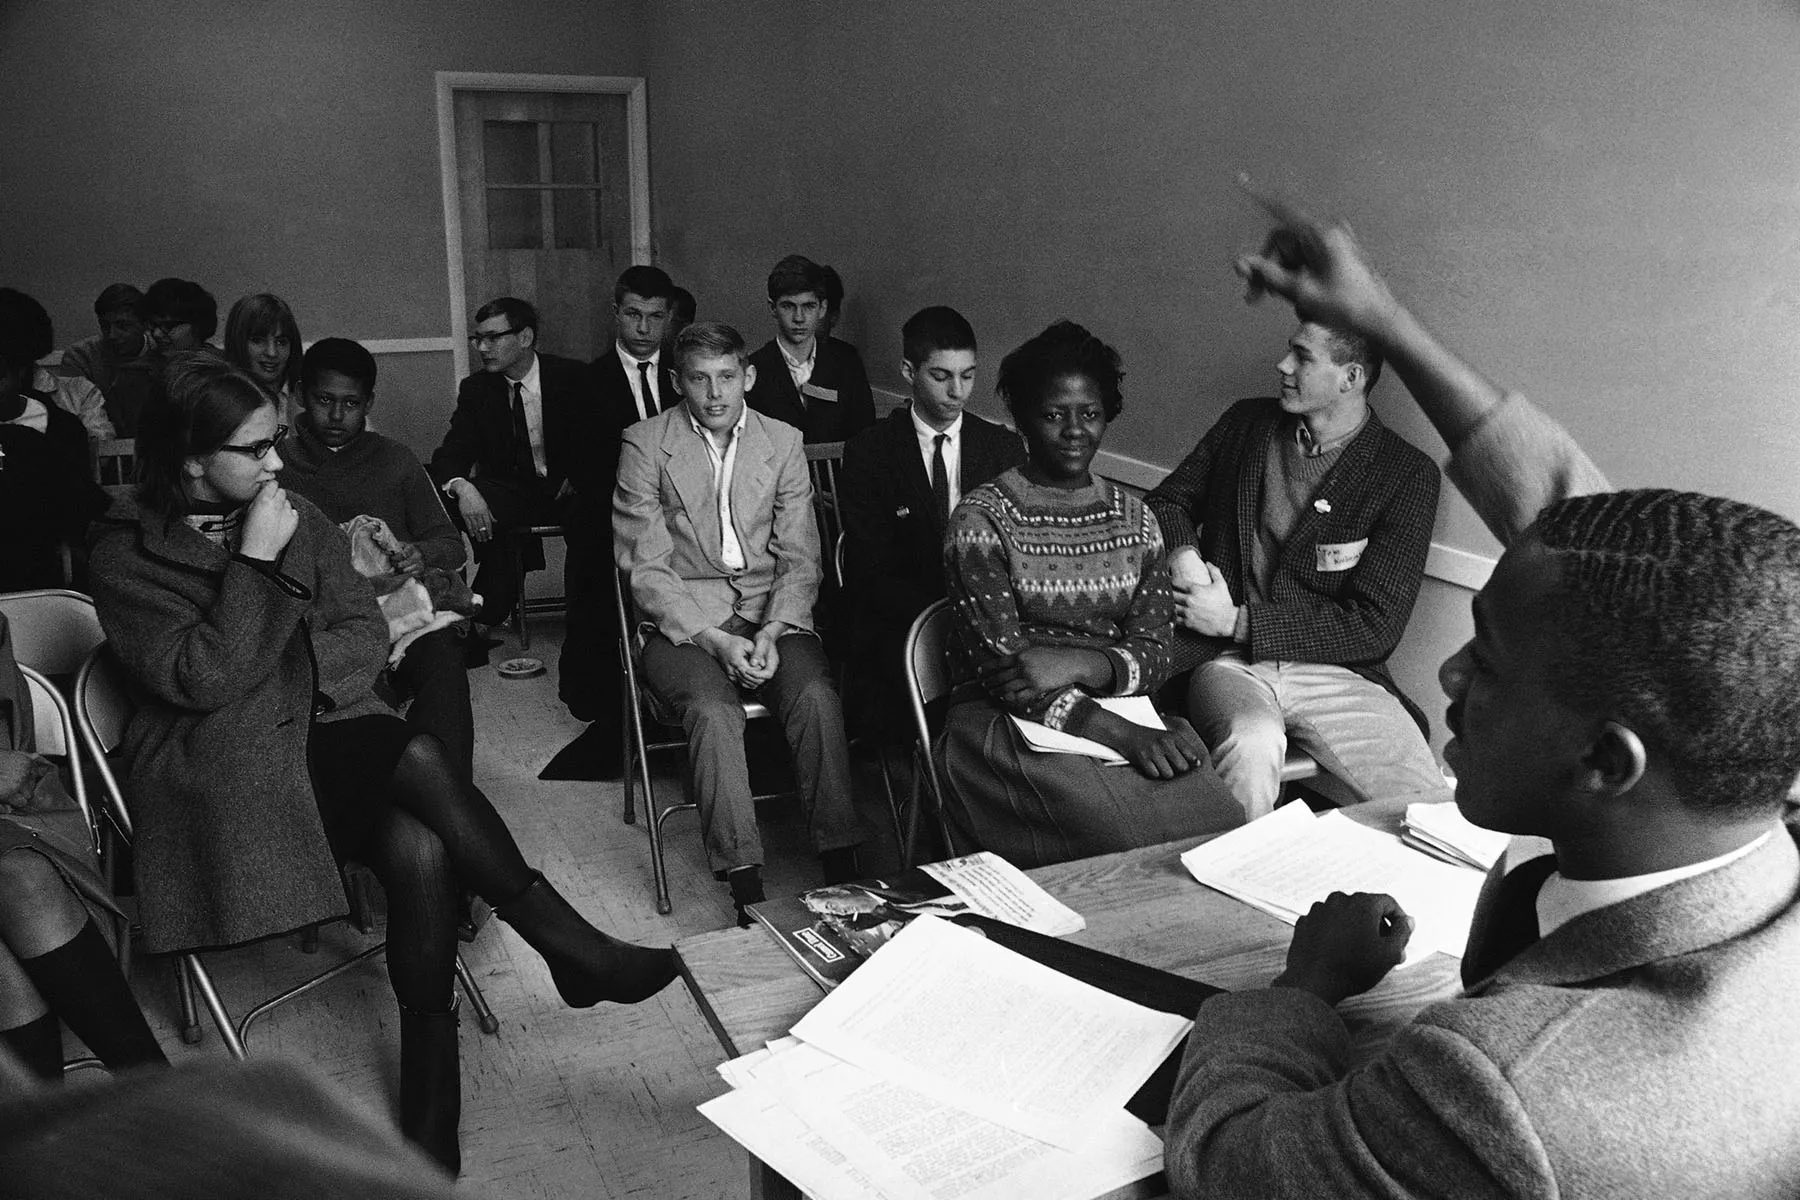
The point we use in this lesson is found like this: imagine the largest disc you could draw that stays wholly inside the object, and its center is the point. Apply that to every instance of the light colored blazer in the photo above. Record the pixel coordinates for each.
(666, 527)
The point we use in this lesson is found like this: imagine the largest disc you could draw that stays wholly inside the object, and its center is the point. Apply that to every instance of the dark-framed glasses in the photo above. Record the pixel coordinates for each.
(483, 340)
(260, 450)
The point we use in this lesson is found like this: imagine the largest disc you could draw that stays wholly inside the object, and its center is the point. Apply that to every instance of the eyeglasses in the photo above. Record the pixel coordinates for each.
(260, 450)
(482, 340)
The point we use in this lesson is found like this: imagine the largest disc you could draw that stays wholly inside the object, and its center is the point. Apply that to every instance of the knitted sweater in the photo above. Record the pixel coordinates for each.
(1026, 565)
(380, 477)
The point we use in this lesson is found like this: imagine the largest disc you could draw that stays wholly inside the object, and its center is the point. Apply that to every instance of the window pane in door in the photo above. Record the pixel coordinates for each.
(510, 151)
(515, 219)
(573, 151)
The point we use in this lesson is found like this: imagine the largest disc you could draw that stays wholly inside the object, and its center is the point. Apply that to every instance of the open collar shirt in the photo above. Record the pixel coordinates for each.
(724, 464)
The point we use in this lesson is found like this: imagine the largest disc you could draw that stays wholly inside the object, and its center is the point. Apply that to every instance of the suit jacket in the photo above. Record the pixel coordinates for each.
(481, 434)
(666, 531)
(1649, 1048)
(1381, 489)
(837, 367)
(893, 541)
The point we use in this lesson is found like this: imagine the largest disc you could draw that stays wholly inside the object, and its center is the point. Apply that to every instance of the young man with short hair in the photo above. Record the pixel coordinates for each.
(805, 377)
(1297, 533)
(349, 470)
(122, 345)
(713, 522)
(901, 479)
(1630, 708)
(519, 419)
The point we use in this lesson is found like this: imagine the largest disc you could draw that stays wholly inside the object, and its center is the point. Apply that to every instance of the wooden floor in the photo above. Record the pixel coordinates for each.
(562, 1103)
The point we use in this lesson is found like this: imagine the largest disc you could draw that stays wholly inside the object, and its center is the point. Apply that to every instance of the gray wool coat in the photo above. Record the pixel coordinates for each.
(224, 661)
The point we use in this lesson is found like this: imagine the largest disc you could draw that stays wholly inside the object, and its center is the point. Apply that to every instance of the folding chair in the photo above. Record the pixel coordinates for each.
(928, 679)
(640, 701)
(526, 605)
(53, 629)
(115, 466)
(102, 708)
(53, 736)
(822, 462)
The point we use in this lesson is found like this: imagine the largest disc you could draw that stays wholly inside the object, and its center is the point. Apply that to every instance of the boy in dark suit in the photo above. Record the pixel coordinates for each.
(513, 454)
(1630, 708)
(803, 375)
(901, 479)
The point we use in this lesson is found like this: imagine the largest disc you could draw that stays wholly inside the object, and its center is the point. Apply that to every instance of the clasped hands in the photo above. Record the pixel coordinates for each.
(1202, 597)
(749, 662)
(1346, 944)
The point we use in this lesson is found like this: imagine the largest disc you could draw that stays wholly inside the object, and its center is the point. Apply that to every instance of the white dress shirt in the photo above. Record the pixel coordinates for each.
(801, 371)
(723, 465)
(647, 407)
(952, 451)
(531, 392)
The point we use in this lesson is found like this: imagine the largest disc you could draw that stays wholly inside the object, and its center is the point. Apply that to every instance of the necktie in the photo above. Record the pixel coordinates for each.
(940, 481)
(1512, 923)
(521, 432)
(647, 405)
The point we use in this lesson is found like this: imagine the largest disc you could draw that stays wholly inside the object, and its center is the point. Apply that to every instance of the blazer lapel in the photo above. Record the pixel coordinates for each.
(750, 476)
(1341, 485)
(690, 470)
(904, 446)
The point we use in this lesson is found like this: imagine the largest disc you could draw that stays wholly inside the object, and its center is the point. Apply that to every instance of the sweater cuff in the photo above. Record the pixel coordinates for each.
(1128, 672)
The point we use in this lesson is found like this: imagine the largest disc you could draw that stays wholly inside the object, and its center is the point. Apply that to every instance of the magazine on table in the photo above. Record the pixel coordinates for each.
(831, 930)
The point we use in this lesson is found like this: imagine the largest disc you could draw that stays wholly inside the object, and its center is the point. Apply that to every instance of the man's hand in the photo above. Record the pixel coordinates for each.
(407, 560)
(1205, 605)
(732, 652)
(1164, 754)
(764, 657)
(1345, 945)
(1016, 678)
(477, 517)
(1318, 268)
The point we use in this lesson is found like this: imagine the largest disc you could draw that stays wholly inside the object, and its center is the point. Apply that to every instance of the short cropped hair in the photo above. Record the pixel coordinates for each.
(184, 301)
(682, 305)
(204, 399)
(117, 296)
(1679, 616)
(1063, 349)
(794, 274)
(518, 313)
(1347, 347)
(26, 334)
(714, 339)
(259, 316)
(939, 327)
(338, 354)
(652, 283)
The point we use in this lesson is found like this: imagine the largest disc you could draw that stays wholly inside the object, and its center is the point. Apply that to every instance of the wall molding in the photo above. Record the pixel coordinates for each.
(1447, 564)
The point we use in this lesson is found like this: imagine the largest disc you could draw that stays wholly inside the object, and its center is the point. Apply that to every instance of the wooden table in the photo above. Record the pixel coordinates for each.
(1139, 904)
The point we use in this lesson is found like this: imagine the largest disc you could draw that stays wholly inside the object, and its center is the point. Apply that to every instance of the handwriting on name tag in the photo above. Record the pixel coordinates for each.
(1339, 556)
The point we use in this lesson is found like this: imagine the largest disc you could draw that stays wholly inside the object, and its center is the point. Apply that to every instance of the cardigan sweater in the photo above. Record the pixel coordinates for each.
(376, 476)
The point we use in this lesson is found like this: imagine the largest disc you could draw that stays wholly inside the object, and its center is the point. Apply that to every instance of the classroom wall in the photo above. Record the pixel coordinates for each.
(1597, 203)
(285, 147)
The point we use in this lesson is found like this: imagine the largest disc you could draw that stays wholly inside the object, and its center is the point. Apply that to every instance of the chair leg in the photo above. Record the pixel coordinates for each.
(887, 789)
(484, 1015)
(519, 625)
(632, 724)
(203, 983)
(190, 1007)
(653, 825)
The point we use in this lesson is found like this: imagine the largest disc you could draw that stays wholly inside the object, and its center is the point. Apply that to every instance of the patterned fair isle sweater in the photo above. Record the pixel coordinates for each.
(1037, 566)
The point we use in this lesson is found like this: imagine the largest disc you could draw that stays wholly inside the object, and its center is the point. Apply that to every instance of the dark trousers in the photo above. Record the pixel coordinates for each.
(588, 677)
(690, 682)
(434, 673)
(499, 560)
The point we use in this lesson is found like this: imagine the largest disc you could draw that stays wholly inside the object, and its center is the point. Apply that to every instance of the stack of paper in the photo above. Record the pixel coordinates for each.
(1442, 830)
(1286, 862)
(947, 1067)
(1136, 709)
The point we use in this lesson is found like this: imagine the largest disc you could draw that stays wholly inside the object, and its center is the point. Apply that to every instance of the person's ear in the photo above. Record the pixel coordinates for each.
(528, 337)
(749, 376)
(1614, 762)
(906, 372)
(369, 402)
(1351, 377)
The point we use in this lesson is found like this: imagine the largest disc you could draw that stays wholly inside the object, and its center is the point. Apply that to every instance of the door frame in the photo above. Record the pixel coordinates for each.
(637, 135)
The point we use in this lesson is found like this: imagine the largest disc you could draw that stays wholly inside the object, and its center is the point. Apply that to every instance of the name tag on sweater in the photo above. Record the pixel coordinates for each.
(819, 393)
(1339, 556)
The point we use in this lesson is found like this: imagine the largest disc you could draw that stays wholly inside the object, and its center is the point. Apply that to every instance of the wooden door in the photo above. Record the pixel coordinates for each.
(544, 188)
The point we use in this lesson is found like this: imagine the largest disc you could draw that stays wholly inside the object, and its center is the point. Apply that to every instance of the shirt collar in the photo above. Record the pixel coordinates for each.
(1561, 900)
(631, 360)
(743, 415)
(927, 433)
(1310, 449)
(812, 352)
(530, 382)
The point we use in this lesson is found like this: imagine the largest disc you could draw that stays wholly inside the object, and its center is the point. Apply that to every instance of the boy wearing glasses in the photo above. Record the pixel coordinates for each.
(513, 453)
(348, 470)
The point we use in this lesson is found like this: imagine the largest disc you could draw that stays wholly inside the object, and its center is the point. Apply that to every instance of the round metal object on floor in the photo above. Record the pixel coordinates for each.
(521, 668)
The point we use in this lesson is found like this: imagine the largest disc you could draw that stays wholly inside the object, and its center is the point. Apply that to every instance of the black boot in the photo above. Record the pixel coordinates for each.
(746, 889)
(431, 1084)
(39, 1046)
(587, 965)
(80, 982)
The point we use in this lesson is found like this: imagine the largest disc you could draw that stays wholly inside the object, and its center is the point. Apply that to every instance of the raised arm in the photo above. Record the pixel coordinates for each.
(1508, 459)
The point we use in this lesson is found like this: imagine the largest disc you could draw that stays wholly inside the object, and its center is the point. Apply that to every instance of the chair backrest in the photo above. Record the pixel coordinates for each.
(53, 629)
(115, 465)
(53, 731)
(928, 674)
(822, 462)
(102, 706)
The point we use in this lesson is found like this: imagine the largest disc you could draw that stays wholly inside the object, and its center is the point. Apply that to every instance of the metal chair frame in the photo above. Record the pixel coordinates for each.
(822, 462)
(101, 709)
(526, 605)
